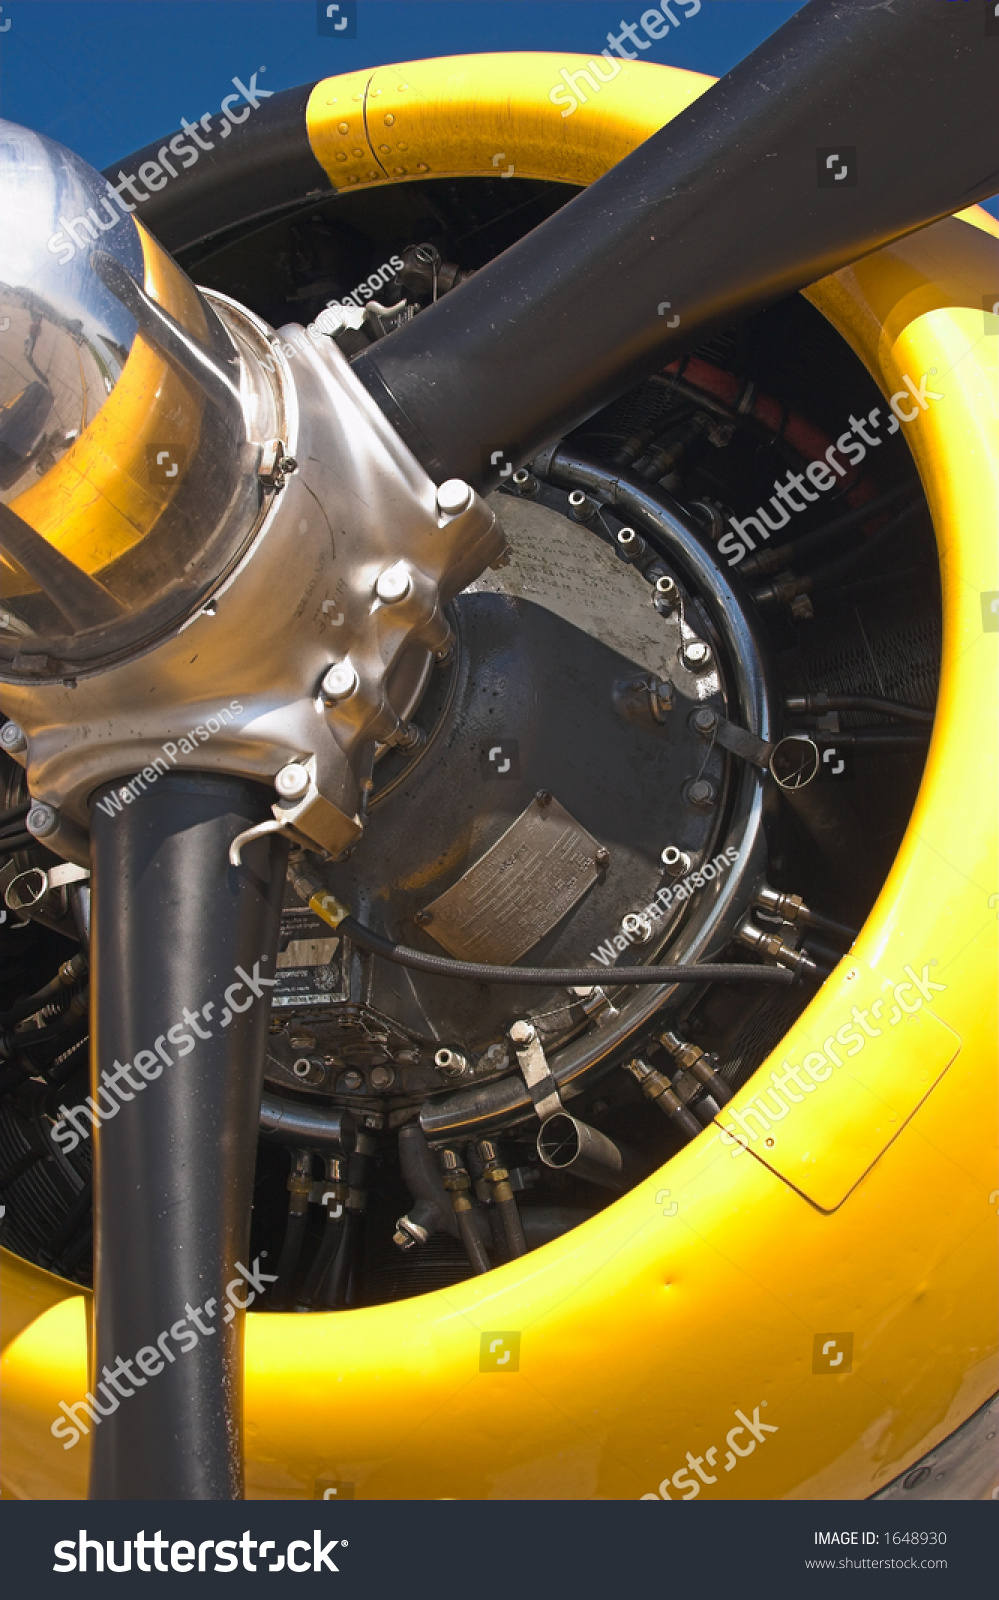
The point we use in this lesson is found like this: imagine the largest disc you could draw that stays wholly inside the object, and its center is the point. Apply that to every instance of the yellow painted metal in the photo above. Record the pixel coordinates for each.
(720, 1256)
(490, 115)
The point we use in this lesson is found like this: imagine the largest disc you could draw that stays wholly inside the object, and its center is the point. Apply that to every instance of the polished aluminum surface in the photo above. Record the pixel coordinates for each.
(238, 687)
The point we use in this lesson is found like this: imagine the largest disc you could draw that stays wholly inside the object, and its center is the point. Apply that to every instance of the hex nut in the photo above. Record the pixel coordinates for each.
(696, 653)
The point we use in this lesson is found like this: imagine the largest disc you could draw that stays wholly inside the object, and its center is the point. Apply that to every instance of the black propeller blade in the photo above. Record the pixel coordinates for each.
(855, 123)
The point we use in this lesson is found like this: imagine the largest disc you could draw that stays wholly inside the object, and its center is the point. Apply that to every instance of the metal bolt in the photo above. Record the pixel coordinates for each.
(422, 918)
(393, 584)
(451, 1062)
(525, 482)
(352, 1080)
(453, 497)
(410, 736)
(382, 1077)
(667, 593)
(602, 857)
(544, 799)
(704, 720)
(289, 464)
(42, 820)
(697, 654)
(630, 543)
(12, 738)
(309, 1071)
(581, 507)
(339, 682)
(701, 793)
(675, 861)
(292, 782)
(522, 1032)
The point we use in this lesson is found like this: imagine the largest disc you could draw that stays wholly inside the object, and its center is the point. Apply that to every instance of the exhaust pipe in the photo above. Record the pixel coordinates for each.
(567, 1145)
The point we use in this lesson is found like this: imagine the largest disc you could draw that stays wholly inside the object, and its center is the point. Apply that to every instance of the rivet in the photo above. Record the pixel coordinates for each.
(389, 119)
(343, 127)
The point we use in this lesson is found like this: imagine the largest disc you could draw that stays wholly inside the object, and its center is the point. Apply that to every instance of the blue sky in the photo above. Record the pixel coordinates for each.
(108, 76)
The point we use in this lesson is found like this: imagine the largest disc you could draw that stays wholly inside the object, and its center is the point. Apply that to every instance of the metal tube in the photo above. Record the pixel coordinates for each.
(801, 159)
(567, 1145)
(183, 946)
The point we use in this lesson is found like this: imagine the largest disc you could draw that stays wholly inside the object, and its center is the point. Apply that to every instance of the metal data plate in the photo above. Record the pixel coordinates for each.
(305, 976)
(516, 893)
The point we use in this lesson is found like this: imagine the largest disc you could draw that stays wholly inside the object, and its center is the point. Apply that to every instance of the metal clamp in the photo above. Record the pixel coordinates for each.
(541, 1086)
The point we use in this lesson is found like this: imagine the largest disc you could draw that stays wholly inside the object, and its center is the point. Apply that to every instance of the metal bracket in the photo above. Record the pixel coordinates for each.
(541, 1086)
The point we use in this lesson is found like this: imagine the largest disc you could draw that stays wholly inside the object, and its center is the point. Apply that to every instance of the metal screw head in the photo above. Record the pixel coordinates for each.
(522, 1032)
(352, 1080)
(453, 497)
(382, 1077)
(393, 584)
(696, 653)
(704, 720)
(602, 857)
(12, 738)
(666, 589)
(42, 820)
(292, 782)
(340, 682)
(701, 793)
(422, 918)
